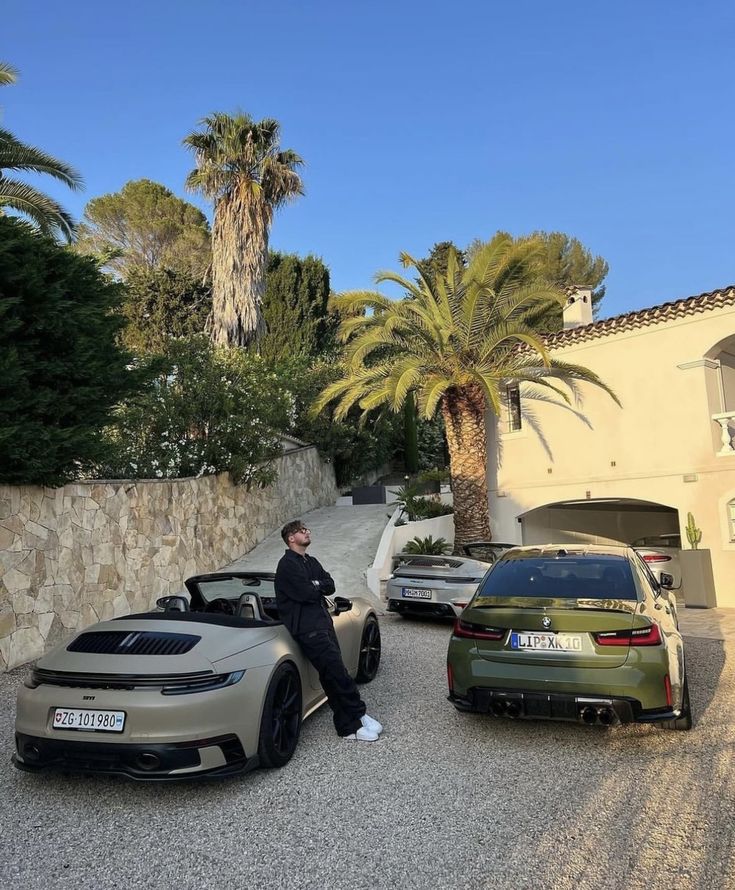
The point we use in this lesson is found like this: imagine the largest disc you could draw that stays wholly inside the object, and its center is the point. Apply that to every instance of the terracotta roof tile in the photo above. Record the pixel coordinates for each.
(642, 318)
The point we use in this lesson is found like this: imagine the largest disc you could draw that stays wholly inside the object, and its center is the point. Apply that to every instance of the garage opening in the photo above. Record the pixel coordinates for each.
(598, 521)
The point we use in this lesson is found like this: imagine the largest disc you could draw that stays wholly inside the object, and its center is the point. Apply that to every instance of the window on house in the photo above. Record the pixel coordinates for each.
(731, 519)
(514, 408)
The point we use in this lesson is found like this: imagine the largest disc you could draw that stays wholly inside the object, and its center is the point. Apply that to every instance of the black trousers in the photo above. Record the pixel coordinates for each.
(322, 650)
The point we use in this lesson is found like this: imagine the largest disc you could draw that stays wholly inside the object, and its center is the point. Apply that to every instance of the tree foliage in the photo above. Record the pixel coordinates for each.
(356, 448)
(456, 341)
(241, 168)
(161, 304)
(436, 262)
(564, 262)
(61, 370)
(207, 410)
(43, 212)
(145, 226)
(295, 308)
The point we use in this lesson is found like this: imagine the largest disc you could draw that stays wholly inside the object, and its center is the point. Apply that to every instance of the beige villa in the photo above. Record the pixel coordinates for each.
(597, 472)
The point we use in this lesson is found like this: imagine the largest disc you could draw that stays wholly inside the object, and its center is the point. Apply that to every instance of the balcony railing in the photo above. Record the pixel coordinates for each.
(726, 421)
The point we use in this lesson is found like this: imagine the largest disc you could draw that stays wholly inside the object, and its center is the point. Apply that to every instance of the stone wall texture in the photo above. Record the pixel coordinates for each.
(90, 551)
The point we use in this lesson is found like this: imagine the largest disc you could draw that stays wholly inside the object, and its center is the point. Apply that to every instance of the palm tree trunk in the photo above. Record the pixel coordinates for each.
(239, 262)
(463, 410)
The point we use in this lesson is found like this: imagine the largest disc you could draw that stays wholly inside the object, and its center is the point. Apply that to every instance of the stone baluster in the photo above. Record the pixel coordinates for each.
(724, 422)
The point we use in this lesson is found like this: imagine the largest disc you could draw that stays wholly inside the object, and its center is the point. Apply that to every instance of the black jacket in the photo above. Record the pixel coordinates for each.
(301, 585)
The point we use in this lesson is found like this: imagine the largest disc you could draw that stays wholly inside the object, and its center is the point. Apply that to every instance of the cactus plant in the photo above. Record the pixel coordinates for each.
(694, 534)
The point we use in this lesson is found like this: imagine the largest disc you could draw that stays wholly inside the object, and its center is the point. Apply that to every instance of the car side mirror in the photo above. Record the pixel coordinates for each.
(342, 604)
(666, 581)
(176, 603)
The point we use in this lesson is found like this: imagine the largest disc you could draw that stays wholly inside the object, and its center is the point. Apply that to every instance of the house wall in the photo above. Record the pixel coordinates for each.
(660, 446)
(72, 556)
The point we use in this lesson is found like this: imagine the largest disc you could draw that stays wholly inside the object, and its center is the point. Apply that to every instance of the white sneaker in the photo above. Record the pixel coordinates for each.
(362, 735)
(371, 724)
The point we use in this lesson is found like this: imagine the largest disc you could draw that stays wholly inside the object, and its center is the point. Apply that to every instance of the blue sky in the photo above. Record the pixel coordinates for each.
(418, 121)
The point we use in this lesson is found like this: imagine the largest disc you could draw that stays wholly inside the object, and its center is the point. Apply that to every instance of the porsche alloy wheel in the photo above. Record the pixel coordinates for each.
(281, 724)
(367, 667)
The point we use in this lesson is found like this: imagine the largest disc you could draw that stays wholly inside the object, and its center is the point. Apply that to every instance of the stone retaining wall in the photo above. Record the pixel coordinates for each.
(95, 550)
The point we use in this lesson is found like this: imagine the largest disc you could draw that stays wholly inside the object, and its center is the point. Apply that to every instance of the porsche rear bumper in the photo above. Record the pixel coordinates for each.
(198, 759)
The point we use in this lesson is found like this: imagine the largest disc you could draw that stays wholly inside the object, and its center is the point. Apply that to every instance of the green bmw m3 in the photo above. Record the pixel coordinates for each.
(571, 632)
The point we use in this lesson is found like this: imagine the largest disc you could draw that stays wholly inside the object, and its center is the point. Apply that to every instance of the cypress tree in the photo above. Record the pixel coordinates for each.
(295, 307)
(61, 368)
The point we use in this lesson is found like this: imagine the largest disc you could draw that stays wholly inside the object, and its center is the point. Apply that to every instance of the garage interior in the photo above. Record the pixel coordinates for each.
(597, 521)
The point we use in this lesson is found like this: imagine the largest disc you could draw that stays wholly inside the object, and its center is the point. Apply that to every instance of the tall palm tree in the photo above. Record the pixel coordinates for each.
(456, 340)
(15, 156)
(241, 168)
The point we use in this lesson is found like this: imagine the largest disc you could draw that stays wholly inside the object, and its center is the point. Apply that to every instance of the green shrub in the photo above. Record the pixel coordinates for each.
(61, 368)
(355, 448)
(206, 411)
(428, 546)
(160, 304)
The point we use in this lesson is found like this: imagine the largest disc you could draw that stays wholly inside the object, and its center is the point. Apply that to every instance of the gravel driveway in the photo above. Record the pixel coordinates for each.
(443, 800)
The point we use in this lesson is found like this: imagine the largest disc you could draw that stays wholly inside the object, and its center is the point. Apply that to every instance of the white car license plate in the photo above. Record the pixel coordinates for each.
(416, 593)
(546, 642)
(89, 721)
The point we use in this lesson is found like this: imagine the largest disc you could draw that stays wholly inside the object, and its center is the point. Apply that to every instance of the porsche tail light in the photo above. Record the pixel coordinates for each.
(206, 684)
(468, 630)
(656, 557)
(639, 636)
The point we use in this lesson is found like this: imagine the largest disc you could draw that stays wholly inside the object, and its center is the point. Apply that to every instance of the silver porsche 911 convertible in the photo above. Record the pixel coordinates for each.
(207, 686)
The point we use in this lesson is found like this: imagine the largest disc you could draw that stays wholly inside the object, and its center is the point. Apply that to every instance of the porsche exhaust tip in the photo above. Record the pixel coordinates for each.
(606, 716)
(31, 752)
(588, 715)
(498, 708)
(513, 710)
(147, 761)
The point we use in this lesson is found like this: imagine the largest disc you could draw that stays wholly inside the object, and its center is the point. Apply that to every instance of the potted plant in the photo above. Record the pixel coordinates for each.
(697, 580)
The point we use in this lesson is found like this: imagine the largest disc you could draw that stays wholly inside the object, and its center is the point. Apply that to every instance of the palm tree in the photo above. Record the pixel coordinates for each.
(15, 156)
(456, 340)
(241, 168)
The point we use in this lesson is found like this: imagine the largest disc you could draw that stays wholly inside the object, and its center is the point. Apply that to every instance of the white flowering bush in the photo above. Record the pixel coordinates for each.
(205, 410)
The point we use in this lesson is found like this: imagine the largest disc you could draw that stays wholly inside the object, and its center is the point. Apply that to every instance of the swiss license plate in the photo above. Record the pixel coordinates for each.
(546, 642)
(88, 721)
(416, 593)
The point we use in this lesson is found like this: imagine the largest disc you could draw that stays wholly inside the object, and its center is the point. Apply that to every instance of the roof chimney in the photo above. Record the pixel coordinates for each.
(578, 308)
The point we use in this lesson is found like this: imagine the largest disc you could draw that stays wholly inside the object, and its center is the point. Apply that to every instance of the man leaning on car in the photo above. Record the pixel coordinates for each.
(301, 585)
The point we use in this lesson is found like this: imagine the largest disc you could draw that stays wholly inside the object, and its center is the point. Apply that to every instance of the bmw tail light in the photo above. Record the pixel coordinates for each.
(640, 636)
(656, 557)
(468, 630)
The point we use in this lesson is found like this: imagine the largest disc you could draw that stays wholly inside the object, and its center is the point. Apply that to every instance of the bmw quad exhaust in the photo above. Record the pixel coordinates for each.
(602, 714)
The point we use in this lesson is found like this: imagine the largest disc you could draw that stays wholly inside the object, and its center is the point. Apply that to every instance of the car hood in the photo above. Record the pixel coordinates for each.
(212, 644)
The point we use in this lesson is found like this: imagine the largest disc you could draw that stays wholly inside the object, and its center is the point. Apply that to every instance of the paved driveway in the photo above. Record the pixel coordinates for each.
(443, 800)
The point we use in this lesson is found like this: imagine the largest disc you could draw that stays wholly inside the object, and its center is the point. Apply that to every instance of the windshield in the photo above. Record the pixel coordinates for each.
(574, 576)
(233, 588)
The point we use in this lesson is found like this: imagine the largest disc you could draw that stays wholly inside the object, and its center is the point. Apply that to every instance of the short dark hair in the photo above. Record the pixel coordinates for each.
(291, 528)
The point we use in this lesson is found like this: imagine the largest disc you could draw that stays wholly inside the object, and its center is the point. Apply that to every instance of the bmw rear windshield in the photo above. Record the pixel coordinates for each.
(573, 576)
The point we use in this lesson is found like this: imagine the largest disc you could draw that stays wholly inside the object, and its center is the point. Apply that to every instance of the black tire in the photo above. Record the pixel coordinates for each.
(684, 722)
(281, 723)
(370, 648)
